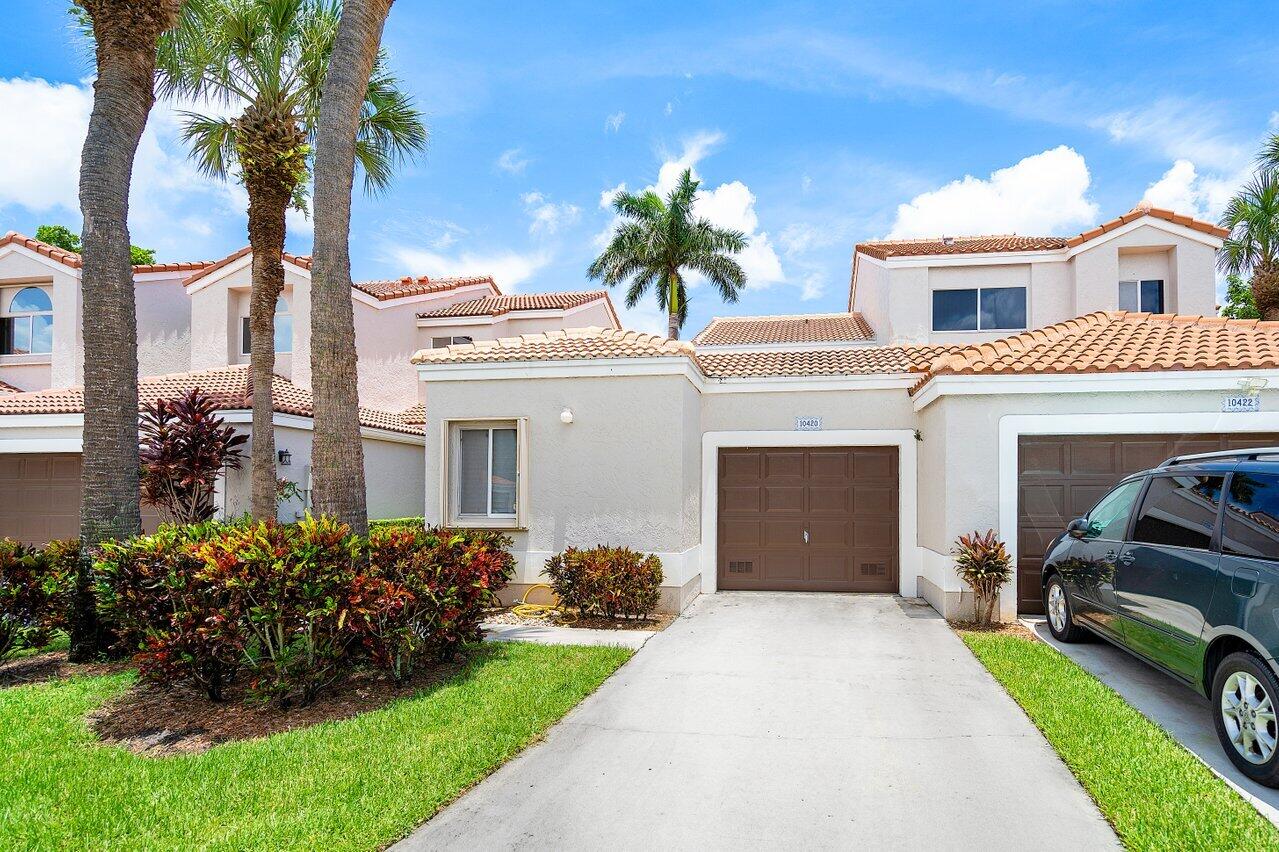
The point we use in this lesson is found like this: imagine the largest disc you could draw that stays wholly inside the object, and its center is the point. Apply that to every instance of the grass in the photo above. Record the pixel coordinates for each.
(355, 784)
(1156, 794)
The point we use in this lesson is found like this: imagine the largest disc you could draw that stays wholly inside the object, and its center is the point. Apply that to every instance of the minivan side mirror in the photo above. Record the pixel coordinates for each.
(1077, 527)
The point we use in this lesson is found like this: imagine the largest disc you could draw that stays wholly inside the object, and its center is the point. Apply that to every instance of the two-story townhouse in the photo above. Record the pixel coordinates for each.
(975, 383)
(193, 332)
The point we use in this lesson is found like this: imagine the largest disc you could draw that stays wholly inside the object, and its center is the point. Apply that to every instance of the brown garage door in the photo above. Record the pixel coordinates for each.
(40, 497)
(1061, 477)
(821, 519)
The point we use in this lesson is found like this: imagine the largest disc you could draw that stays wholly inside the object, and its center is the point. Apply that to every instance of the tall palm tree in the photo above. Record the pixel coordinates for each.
(658, 240)
(125, 34)
(337, 459)
(1252, 248)
(268, 59)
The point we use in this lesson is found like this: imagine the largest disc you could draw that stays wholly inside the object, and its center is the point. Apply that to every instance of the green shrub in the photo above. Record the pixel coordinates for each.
(32, 597)
(615, 582)
(386, 523)
(427, 590)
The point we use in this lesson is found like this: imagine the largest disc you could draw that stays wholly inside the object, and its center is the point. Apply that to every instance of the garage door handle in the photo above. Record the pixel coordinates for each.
(805, 536)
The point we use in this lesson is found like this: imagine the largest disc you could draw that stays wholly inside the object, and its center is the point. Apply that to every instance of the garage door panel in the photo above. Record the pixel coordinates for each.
(1084, 478)
(846, 500)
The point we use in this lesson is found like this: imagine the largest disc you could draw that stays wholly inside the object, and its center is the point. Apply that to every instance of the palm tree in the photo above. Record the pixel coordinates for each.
(337, 459)
(268, 58)
(658, 240)
(1252, 248)
(125, 34)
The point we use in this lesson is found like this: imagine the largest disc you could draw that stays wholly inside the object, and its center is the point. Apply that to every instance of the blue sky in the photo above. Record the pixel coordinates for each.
(811, 126)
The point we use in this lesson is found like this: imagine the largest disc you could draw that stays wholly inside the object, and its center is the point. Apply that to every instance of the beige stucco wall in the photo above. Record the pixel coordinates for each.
(164, 325)
(1186, 267)
(62, 367)
(385, 340)
(844, 409)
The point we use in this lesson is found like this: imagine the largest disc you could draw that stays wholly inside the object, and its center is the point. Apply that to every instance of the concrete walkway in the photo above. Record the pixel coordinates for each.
(541, 635)
(786, 721)
(1183, 713)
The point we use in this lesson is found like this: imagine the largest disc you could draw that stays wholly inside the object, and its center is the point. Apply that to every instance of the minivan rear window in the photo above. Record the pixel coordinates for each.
(1179, 511)
(1251, 527)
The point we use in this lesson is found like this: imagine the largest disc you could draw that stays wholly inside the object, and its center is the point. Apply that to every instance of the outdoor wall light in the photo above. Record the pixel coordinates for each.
(566, 416)
(285, 457)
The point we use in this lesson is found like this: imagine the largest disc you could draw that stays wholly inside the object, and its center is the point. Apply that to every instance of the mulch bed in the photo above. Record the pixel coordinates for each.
(1014, 628)
(655, 622)
(157, 721)
(51, 665)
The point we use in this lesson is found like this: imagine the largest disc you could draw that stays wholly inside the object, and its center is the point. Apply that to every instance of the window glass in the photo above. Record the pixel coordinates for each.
(1251, 527)
(1109, 518)
(1179, 511)
(283, 333)
(1152, 296)
(954, 310)
(460, 340)
(18, 336)
(473, 471)
(1129, 299)
(42, 333)
(504, 472)
(30, 300)
(1003, 307)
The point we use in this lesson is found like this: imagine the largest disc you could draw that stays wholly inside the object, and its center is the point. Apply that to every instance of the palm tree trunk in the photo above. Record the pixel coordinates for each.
(267, 205)
(672, 304)
(126, 33)
(1265, 290)
(337, 457)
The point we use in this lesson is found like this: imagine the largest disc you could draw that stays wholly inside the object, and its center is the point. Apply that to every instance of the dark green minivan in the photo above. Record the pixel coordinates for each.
(1180, 566)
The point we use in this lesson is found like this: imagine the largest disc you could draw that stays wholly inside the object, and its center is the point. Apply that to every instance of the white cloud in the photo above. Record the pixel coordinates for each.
(1044, 193)
(512, 161)
(40, 140)
(547, 217)
(1185, 190)
(670, 108)
(1180, 129)
(613, 123)
(509, 269)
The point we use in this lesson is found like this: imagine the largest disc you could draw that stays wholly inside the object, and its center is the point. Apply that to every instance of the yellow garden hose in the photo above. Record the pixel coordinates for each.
(555, 609)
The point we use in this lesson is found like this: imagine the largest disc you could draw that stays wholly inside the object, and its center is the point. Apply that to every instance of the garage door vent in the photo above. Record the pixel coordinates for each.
(874, 569)
(740, 567)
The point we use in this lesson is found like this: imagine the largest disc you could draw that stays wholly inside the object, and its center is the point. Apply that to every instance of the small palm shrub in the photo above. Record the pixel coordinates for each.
(615, 582)
(33, 596)
(982, 561)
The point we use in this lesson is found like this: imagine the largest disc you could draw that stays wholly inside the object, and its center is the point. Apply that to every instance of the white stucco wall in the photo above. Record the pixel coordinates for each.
(62, 367)
(385, 339)
(164, 325)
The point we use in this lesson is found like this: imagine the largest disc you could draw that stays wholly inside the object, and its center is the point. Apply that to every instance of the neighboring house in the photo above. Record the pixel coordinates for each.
(847, 452)
(193, 332)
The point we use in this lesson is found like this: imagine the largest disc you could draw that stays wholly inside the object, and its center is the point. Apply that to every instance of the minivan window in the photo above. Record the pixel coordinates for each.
(1179, 511)
(1109, 518)
(1251, 527)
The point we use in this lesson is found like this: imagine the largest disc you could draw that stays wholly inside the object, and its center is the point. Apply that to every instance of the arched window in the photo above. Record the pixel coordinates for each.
(26, 323)
(283, 330)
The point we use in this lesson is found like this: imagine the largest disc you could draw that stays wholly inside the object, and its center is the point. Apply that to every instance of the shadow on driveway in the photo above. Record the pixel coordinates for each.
(1178, 709)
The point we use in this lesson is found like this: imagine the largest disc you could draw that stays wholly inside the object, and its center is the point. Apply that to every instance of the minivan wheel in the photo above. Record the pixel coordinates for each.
(1060, 617)
(1244, 695)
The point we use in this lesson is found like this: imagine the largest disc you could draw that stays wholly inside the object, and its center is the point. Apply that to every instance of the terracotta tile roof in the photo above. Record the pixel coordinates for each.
(799, 328)
(884, 249)
(854, 361)
(572, 344)
(421, 285)
(494, 306)
(72, 259)
(1120, 342)
(414, 415)
(231, 387)
(301, 260)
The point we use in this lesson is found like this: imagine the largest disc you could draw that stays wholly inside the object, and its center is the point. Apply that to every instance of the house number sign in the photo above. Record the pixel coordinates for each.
(808, 424)
(1241, 402)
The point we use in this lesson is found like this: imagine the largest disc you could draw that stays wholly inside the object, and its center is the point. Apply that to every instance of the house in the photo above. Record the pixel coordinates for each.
(193, 332)
(998, 382)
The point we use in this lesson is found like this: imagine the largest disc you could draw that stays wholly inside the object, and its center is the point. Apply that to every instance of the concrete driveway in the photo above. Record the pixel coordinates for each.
(766, 720)
(1183, 713)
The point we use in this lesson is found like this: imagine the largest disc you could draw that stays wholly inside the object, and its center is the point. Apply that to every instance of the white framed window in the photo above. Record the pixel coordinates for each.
(283, 330)
(980, 309)
(1143, 296)
(26, 322)
(485, 472)
(443, 342)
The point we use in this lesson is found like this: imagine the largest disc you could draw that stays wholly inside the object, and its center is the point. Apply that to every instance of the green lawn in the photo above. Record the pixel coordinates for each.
(1154, 792)
(355, 784)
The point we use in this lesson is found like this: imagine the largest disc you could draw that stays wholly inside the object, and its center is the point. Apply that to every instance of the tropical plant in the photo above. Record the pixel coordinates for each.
(1252, 248)
(1240, 303)
(268, 59)
(615, 582)
(982, 561)
(183, 446)
(28, 597)
(658, 240)
(125, 35)
(68, 240)
(337, 458)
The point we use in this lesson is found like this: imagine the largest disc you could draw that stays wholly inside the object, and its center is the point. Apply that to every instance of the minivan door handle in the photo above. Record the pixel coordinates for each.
(1127, 559)
(1110, 555)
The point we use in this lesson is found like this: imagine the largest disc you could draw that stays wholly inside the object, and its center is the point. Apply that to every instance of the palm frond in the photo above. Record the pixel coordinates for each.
(212, 142)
